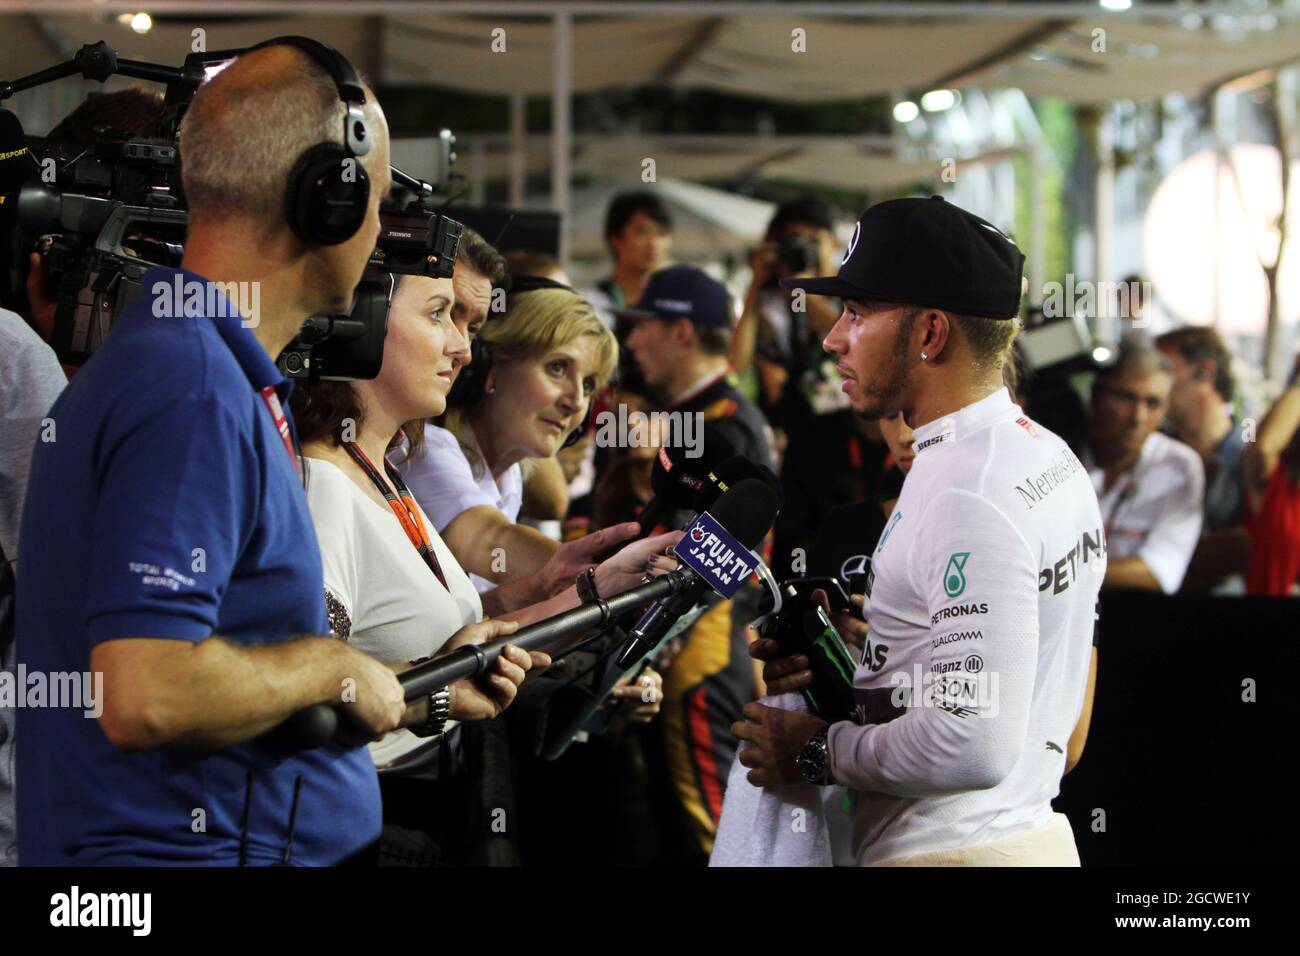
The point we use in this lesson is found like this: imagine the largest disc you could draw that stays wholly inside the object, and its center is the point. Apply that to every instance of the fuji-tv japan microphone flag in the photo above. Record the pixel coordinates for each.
(717, 557)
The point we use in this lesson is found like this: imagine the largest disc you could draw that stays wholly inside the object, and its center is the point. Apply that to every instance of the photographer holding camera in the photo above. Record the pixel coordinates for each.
(774, 332)
(172, 478)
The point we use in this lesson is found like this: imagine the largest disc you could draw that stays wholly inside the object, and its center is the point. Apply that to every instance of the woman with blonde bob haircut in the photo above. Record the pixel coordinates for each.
(535, 370)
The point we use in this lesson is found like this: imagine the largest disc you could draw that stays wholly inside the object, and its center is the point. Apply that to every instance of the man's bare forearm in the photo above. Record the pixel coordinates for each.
(215, 693)
(1079, 736)
(745, 336)
(1219, 555)
(1130, 574)
(1279, 423)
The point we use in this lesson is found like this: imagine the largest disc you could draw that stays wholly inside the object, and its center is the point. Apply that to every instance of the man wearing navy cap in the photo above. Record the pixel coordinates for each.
(680, 342)
(980, 599)
(166, 542)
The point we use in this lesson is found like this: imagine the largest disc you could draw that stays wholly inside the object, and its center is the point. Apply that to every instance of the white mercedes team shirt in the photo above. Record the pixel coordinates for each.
(981, 604)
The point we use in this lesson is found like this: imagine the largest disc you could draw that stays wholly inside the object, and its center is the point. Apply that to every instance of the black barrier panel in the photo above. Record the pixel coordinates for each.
(1179, 767)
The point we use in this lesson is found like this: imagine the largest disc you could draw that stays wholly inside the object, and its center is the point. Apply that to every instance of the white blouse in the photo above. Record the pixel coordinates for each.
(445, 485)
(380, 590)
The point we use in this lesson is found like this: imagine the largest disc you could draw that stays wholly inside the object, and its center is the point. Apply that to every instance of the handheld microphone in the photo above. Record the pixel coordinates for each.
(748, 512)
(677, 480)
(732, 472)
(317, 724)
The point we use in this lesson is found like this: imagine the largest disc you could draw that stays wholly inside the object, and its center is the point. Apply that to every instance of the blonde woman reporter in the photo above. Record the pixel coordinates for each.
(537, 366)
(393, 588)
(523, 398)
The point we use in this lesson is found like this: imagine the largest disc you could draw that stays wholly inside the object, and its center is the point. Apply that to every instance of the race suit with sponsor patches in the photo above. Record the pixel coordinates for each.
(981, 609)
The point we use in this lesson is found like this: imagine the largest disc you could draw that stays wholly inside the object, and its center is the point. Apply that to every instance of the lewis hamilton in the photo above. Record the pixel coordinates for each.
(981, 597)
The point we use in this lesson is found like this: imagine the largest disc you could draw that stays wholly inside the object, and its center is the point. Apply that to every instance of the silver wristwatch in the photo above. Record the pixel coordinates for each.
(813, 759)
(439, 711)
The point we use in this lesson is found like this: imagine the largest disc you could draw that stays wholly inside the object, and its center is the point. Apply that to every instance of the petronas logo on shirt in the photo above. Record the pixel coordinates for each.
(954, 575)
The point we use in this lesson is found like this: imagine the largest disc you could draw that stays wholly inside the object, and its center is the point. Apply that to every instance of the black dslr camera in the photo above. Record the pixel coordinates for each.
(796, 254)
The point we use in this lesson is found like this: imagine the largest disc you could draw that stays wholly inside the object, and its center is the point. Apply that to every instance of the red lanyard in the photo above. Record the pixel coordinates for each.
(273, 406)
(403, 506)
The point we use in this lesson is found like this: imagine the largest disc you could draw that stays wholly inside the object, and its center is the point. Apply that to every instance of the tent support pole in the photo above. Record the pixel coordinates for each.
(1037, 224)
(561, 125)
(518, 156)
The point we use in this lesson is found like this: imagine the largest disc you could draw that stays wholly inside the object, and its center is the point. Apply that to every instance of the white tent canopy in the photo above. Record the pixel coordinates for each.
(814, 52)
(855, 163)
(750, 51)
(1143, 60)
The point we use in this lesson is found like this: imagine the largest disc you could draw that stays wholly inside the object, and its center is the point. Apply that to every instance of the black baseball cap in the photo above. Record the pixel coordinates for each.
(927, 252)
(683, 292)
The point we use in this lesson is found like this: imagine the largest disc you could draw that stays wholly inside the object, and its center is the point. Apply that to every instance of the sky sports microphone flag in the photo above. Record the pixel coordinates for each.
(710, 551)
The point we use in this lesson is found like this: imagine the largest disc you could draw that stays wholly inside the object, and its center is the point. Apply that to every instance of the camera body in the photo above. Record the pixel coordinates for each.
(417, 242)
(796, 254)
(103, 217)
(115, 212)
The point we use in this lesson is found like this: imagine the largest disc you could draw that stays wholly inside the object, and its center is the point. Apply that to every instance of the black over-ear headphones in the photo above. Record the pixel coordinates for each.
(328, 191)
(471, 384)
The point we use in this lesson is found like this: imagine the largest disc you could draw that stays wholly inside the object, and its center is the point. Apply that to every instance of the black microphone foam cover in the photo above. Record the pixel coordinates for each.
(738, 468)
(677, 477)
(747, 511)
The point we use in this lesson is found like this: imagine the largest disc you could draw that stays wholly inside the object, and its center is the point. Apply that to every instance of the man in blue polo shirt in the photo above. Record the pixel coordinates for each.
(166, 542)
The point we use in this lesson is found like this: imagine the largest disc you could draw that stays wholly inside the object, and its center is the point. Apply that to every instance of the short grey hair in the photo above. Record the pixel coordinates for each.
(242, 136)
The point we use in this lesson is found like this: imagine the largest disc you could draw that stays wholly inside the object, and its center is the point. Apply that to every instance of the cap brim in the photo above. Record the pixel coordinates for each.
(825, 285)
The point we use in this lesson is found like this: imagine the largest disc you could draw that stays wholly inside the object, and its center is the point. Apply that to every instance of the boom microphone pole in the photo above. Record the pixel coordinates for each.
(746, 507)
(316, 724)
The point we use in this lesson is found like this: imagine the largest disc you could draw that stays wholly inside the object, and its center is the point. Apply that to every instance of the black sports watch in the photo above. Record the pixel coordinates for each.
(813, 759)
